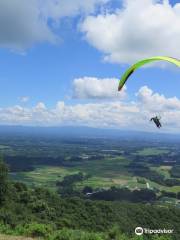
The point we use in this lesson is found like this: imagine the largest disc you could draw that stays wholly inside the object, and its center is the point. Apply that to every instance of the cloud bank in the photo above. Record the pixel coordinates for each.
(111, 114)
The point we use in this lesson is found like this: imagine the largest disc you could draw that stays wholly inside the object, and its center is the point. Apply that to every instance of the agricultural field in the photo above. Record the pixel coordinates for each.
(164, 170)
(48, 176)
(105, 162)
(102, 173)
(152, 152)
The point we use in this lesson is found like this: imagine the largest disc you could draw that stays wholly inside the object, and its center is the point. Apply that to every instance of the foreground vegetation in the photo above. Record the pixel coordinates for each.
(38, 212)
(8, 237)
(66, 234)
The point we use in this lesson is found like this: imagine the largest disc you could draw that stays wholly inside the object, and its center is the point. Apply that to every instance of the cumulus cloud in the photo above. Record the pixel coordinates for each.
(117, 114)
(157, 102)
(142, 28)
(24, 23)
(40, 107)
(91, 114)
(94, 88)
(150, 103)
(21, 24)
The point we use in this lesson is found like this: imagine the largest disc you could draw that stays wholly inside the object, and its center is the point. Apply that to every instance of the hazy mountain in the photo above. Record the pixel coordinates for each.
(83, 132)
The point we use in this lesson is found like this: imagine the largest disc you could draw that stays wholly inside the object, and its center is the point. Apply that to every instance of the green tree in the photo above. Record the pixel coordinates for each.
(3, 181)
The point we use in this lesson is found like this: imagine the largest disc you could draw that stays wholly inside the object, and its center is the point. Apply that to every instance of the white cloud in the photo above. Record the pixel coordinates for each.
(91, 87)
(122, 114)
(151, 104)
(141, 29)
(21, 24)
(117, 114)
(156, 102)
(91, 114)
(40, 107)
(24, 23)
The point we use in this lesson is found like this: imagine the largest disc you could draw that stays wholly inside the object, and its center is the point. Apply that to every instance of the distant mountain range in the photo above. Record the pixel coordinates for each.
(85, 132)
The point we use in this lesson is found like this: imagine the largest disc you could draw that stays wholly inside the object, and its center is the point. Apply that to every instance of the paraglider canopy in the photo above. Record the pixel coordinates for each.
(137, 65)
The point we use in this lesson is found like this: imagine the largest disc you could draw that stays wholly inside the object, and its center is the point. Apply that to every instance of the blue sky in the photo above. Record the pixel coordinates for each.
(48, 61)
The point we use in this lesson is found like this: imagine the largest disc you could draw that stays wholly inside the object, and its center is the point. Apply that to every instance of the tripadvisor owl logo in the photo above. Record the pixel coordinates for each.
(139, 231)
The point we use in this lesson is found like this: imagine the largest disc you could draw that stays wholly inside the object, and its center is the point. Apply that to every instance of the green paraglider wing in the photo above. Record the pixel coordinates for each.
(137, 65)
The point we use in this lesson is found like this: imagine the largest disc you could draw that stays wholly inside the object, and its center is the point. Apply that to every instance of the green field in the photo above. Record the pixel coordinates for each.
(47, 177)
(164, 170)
(43, 176)
(152, 152)
(102, 173)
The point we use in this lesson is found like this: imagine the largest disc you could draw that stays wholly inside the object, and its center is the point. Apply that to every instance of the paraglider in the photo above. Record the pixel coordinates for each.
(156, 120)
(139, 64)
